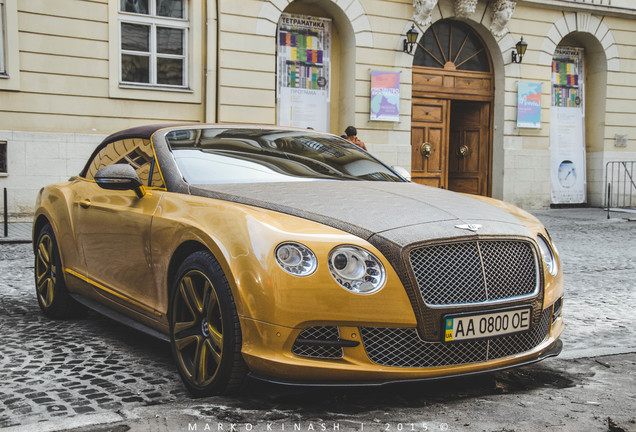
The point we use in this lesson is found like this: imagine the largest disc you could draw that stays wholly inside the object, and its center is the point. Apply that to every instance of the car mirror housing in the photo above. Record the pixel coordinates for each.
(120, 177)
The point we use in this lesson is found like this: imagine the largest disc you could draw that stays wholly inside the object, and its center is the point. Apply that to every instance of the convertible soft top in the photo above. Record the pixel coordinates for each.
(143, 132)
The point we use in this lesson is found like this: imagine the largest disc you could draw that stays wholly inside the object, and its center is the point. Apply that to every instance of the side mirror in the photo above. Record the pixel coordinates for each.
(120, 177)
(402, 171)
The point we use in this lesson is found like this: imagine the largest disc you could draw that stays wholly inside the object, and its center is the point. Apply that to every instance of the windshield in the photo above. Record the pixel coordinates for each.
(213, 156)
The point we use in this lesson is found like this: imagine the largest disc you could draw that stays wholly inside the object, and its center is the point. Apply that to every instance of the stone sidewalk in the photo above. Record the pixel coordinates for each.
(17, 232)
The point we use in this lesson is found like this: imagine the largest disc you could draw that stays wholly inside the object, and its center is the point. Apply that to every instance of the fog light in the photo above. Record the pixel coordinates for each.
(557, 309)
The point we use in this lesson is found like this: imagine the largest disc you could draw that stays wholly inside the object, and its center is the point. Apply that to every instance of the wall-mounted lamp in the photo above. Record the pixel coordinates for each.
(521, 50)
(411, 38)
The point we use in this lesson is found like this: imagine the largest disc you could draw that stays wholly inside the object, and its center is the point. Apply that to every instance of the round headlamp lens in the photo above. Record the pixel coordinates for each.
(547, 254)
(356, 269)
(340, 261)
(296, 259)
(290, 255)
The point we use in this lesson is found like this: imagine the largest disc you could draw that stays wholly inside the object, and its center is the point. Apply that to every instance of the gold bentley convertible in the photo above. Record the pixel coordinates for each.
(295, 257)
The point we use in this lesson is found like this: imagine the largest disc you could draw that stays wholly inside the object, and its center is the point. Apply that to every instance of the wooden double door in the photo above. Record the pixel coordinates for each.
(451, 144)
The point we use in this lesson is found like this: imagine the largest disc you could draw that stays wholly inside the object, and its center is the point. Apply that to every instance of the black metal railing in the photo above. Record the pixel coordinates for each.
(620, 192)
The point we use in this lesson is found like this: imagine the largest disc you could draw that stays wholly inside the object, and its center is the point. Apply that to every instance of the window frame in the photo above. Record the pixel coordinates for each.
(9, 46)
(152, 20)
(3, 70)
(442, 44)
(193, 94)
(4, 158)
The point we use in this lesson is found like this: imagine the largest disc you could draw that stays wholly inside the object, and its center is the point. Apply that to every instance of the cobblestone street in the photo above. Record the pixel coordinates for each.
(77, 373)
(59, 368)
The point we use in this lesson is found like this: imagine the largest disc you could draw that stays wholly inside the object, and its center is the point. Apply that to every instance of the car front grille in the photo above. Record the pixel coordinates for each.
(314, 342)
(402, 347)
(474, 271)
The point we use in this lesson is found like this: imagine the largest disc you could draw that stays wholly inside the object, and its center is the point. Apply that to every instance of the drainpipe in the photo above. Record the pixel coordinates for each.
(212, 62)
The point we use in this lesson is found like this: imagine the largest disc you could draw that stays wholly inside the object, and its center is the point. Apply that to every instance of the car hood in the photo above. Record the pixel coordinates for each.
(380, 212)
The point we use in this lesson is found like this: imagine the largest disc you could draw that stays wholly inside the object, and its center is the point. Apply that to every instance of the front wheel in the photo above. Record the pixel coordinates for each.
(50, 288)
(205, 332)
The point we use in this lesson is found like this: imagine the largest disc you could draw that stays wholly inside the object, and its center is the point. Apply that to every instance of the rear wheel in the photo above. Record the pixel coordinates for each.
(50, 288)
(205, 332)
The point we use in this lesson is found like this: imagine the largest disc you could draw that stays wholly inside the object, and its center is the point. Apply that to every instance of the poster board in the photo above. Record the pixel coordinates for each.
(529, 105)
(303, 71)
(385, 96)
(567, 128)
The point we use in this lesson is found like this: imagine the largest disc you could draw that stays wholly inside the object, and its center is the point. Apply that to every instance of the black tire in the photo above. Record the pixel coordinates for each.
(50, 288)
(205, 332)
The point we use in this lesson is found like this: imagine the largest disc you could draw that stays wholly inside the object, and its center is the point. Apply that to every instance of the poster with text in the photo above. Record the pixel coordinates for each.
(567, 128)
(567, 156)
(303, 71)
(385, 96)
(529, 105)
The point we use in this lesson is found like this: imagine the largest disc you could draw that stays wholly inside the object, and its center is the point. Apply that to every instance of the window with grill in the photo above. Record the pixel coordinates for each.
(452, 45)
(153, 42)
(3, 157)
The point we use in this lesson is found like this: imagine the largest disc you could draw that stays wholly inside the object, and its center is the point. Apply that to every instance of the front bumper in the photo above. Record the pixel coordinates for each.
(552, 351)
(268, 352)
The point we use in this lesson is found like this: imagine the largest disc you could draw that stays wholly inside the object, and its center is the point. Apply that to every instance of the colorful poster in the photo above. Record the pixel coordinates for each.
(303, 71)
(385, 96)
(567, 77)
(529, 105)
(567, 128)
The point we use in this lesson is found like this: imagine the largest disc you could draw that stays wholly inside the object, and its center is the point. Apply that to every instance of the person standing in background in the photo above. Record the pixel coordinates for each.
(351, 135)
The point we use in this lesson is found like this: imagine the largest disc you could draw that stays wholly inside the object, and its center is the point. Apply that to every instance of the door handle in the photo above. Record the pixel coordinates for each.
(85, 203)
(461, 151)
(426, 149)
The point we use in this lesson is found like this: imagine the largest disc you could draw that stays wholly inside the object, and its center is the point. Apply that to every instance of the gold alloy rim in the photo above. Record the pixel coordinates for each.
(45, 270)
(197, 328)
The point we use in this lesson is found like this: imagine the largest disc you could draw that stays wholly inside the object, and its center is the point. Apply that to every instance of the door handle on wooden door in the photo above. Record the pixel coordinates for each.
(426, 149)
(462, 151)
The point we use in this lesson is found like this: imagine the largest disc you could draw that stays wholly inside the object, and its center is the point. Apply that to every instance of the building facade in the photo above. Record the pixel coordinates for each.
(456, 111)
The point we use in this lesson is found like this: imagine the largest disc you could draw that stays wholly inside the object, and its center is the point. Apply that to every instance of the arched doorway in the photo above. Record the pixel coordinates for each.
(451, 120)
(588, 110)
(342, 41)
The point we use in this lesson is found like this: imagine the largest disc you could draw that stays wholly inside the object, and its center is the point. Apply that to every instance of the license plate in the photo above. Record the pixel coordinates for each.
(483, 325)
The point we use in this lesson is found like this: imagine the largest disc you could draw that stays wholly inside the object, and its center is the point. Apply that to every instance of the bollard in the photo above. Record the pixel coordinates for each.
(6, 215)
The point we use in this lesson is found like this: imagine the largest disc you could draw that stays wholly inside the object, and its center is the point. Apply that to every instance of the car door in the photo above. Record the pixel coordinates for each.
(113, 228)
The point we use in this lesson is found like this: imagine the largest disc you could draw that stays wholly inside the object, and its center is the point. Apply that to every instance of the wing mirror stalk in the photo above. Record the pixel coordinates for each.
(120, 177)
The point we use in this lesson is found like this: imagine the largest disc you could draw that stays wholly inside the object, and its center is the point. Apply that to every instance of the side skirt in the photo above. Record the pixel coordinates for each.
(119, 317)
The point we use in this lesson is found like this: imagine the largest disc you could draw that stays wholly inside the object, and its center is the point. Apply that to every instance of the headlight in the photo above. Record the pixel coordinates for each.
(548, 255)
(296, 259)
(356, 269)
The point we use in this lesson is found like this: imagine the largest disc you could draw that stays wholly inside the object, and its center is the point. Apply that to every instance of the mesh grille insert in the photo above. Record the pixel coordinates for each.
(474, 272)
(317, 334)
(403, 347)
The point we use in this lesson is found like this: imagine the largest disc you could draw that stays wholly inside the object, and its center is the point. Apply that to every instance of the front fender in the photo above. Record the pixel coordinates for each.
(243, 240)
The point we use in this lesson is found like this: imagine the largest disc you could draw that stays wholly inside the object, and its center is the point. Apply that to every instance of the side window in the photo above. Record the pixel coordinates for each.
(133, 151)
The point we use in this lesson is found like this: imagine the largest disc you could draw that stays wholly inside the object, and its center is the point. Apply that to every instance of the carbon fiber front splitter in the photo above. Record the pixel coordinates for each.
(554, 350)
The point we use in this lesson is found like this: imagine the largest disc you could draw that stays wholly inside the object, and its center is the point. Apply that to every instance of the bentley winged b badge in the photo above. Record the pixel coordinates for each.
(469, 227)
